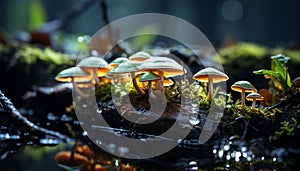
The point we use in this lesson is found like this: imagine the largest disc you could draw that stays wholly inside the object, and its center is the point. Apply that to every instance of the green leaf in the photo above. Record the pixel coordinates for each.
(37, 14)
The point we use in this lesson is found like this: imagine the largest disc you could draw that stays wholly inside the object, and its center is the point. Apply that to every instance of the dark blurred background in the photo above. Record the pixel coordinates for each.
(267, 22)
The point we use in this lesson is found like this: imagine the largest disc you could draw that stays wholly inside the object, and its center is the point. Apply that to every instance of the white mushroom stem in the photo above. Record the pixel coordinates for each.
(136, 86)
(253, 103)
(77, 90)
(243, 98)
(96, 76)
(210, 89)
(149, 87)
(161, 81)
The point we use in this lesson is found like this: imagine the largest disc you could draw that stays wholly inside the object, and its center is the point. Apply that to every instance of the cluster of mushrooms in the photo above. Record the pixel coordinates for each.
(156, 71)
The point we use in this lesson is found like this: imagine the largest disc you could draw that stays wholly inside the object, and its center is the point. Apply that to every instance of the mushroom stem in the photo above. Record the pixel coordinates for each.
(161, 81)
(136, 86)
(149, 87)
(243, 98)
(210, 89)
(76, 89)
(253, 104)
(96, 77)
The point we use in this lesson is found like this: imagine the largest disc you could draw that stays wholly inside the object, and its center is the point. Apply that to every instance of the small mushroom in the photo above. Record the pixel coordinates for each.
(149, 77)
(243, 87)
(95, 66)
(168, 82)
(139, 56)
(210, 76)
(70, 161)
(163, 67)
(254, 97)
(74, 75)
(131, 67)
(117, 62)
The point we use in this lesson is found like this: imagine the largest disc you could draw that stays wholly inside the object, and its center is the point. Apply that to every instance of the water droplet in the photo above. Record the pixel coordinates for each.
(274, 159)
(52, 117)
(227, 157)
(245, 155)
(221, 153)
(84, 133)
(238, 154)
(66, 118)
(193, 165)
(112, 147)
(215, 151)
(194, 119)
(244, 149)
(226, 147)
(99, 111)
(262, 158)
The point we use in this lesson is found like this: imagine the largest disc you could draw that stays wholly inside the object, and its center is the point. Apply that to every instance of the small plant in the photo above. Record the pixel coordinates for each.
(280, 83)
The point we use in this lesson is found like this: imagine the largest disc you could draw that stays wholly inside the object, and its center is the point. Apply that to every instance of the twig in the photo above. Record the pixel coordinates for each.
(68, 18)
(8, 105)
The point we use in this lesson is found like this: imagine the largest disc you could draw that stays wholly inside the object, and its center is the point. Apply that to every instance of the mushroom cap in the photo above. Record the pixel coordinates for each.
(216, 75)
(168, 82)
(118, 61)
(149, 76)
(139, 56)
(90, 63)
(63, 159)
(243, 85)
(255, 96)
(126, 67)
(67, 75)
(169, 66)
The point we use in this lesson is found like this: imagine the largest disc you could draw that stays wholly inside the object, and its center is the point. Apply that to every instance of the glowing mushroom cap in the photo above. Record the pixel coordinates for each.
(67, 75)
(243, 85)
(164, 64)
(168, 82)
(139, 56)
(149, 76)
(91, 63)
(126, 67)
(255, 96)
(216, 75)
(63, 159)
(118, 61)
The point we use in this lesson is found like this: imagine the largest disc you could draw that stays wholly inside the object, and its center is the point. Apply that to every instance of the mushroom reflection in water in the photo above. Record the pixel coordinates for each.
(117, 62)
(254, 97)
(243, 87)
(95, 66)
(210, 76)
(70, 161)
(74, 75)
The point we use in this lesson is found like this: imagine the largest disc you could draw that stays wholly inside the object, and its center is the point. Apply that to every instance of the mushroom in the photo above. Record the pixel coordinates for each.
(70, 161)
(243, 87)
(168, 82)
(117, 62)
(139, 56)
(254, 97)
(95, 66)
(149, 77)
(163, 67)
(131, 67)
(74, 74)
(210, 76)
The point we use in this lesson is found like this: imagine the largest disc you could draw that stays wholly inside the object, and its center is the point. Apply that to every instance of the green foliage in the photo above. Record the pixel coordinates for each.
(280, 81)
(287, 129)
(21, 53)
(145, 36)
(37, 14)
